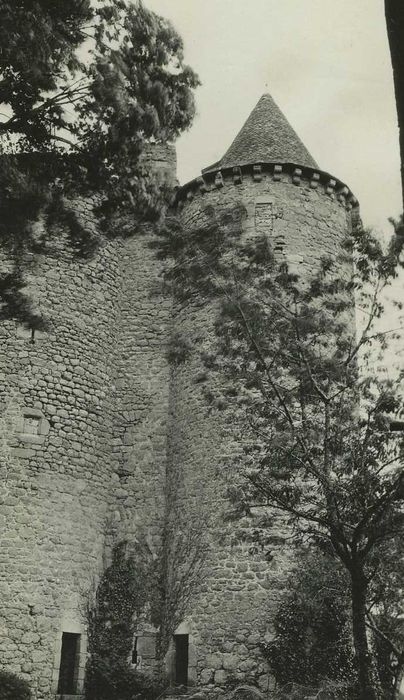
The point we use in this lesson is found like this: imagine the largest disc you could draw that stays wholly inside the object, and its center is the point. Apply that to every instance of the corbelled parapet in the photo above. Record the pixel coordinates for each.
(287, 173)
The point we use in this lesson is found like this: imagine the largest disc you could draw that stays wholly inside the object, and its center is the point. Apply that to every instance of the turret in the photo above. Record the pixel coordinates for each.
(305, 212)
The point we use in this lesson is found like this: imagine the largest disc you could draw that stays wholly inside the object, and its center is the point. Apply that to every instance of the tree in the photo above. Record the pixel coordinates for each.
(394, 11)
(96, 81)
(84, 89)
(298, 389)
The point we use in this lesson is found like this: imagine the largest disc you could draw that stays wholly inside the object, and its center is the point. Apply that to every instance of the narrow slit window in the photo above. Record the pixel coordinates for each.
(69, 663)
(135, 655)
(181, 659)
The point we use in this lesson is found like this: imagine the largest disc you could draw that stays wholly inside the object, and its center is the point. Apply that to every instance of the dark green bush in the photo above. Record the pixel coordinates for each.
(13, 688)
(244, 692)
(312, 641)
(116, 680)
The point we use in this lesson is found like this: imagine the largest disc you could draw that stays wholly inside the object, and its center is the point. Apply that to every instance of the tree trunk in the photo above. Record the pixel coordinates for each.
(394, 11)
(367, 690)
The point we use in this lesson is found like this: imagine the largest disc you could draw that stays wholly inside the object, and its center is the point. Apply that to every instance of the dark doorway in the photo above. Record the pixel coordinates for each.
(181, 659)
(69, 658)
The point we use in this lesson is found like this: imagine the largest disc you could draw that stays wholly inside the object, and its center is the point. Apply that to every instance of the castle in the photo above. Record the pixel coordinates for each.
(105, 442)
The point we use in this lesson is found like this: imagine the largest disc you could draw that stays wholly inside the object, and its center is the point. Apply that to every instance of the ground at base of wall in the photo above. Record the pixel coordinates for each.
(239, 693)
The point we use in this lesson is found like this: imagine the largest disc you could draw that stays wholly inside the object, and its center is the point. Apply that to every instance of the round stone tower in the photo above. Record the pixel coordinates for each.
(83, 412)
(222, 597)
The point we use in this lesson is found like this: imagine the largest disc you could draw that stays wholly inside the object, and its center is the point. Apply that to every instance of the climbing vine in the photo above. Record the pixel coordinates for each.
(123, 593)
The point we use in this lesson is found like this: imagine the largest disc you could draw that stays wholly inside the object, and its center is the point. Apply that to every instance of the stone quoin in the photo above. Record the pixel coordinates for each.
(105, 442)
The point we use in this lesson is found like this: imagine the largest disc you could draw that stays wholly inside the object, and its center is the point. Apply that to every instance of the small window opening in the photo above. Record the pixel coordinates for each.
(69, 663)
(397, 426)
(31, 425)
(135, 655)
(181, 659)
(279, 244)
(264, 223)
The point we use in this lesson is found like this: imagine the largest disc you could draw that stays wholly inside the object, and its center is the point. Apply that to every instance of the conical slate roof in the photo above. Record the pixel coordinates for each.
(266, 137)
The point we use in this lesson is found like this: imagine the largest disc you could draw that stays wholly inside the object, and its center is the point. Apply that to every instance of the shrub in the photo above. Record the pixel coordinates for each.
(13, 688)
(330, 690)
(116, 680)
(245, 692)
(312, 640)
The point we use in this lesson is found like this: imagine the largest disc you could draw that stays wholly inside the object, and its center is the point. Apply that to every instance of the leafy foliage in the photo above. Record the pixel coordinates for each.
(86, 89)
(299, 391)
(98, 82)
(385, 614)
(13, 688)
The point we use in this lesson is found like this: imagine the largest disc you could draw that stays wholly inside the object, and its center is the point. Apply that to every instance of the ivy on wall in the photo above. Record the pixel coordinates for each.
(125, 589)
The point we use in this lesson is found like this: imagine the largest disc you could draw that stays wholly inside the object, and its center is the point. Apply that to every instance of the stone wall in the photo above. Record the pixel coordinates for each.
(102, 441)
(83, 443)
(56, 482)
(227, 608)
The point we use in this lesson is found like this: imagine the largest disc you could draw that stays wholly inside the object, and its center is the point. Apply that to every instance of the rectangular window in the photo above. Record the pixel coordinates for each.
(69, 663)
(31, 425)
(263, 218)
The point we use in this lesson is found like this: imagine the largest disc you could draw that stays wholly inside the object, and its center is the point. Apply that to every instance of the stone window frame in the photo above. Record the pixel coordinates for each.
(145, 639)
(43, 426)
(71, 628)
(169, 662)
(295, 260)
(29, 334)
(264, 201)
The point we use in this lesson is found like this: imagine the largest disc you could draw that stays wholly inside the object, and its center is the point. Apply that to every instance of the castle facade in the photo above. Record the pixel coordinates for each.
(105, 442)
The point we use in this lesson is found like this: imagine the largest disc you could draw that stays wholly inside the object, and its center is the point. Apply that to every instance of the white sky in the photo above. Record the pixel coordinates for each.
(327, 65)
(325, 62)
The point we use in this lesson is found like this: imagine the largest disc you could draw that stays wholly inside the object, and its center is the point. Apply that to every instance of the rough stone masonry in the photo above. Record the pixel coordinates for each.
(104, 441)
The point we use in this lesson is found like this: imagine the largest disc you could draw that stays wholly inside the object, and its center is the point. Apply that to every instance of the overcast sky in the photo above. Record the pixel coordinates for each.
(326, 64)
